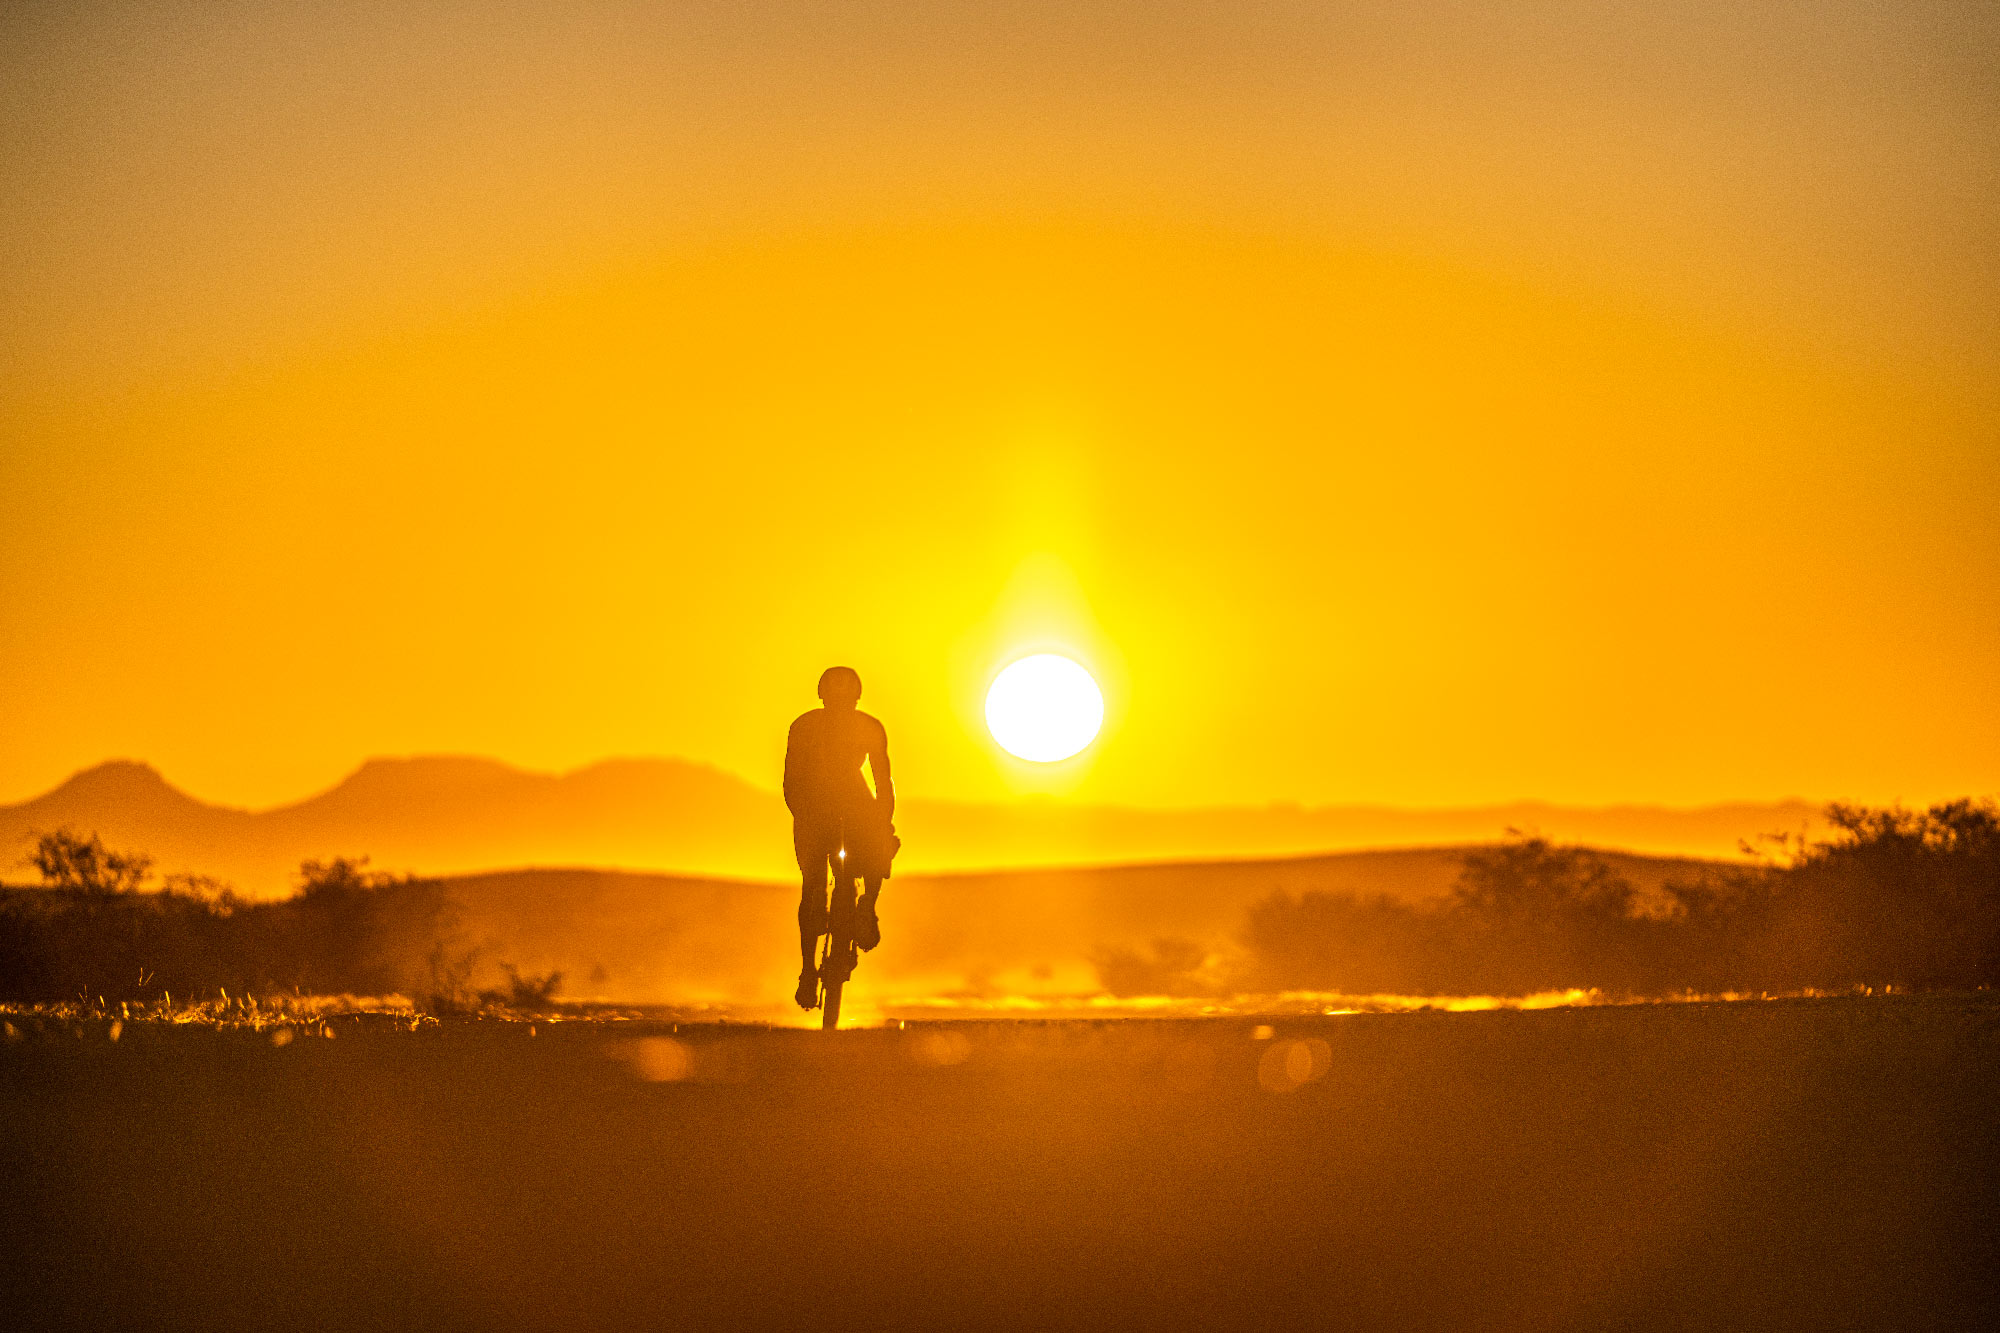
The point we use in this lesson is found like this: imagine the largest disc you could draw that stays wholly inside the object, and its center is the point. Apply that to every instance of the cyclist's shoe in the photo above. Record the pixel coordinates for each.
(867, 928)
(808, 992)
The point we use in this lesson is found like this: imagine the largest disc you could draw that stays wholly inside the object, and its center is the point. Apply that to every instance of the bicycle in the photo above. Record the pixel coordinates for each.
(837, 952)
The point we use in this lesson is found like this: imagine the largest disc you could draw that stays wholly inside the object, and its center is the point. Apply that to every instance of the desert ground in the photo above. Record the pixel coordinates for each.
(1807, 1164)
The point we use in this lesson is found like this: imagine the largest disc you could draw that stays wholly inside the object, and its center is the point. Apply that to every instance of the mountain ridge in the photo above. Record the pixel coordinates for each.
(459, 814)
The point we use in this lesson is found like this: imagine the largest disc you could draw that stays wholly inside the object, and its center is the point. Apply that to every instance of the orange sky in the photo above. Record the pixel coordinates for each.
(1409, 403)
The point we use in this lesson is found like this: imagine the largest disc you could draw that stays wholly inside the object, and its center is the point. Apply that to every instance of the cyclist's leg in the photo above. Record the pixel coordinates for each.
(812, 917)
(810, 846)
(867, 926)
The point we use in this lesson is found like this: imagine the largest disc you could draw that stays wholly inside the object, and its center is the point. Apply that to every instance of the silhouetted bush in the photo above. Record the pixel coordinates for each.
(91, 931)
(1338, 941)
(69, 862)
(1902, 897)
(1895, 897)
(1175, 967)
(529, 992)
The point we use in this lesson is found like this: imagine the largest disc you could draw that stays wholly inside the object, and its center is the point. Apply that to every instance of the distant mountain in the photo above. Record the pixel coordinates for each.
(453, 815)
(434, 815)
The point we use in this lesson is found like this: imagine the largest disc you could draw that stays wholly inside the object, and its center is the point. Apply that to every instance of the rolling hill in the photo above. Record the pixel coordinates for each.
(649, 938)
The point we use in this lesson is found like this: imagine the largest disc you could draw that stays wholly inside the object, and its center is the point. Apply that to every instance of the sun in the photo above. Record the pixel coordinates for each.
(1044, 708)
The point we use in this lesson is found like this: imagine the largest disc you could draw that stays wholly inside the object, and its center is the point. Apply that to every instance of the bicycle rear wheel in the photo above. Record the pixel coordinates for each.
(829, 1017)
(838, 963)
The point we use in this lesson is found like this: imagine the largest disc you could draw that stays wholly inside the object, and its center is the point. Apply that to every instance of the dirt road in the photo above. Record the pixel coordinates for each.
(1797, 1164)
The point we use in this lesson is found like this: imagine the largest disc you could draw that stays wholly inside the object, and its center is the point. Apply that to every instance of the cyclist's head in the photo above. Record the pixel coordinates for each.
(840, 687)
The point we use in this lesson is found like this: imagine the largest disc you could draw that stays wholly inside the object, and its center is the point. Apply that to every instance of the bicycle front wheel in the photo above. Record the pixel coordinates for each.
(829, 1018)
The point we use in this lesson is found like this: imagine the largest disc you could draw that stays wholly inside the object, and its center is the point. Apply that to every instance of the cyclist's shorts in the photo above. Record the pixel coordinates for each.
(870, 842)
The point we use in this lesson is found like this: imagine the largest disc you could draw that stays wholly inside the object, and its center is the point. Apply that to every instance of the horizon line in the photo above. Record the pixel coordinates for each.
(1032, 800)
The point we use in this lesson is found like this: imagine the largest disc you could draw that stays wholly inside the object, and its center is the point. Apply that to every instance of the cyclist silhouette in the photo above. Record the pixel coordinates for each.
(837, 821)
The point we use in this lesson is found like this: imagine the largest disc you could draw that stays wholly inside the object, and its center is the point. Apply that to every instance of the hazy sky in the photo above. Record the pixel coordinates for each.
(1402, 402)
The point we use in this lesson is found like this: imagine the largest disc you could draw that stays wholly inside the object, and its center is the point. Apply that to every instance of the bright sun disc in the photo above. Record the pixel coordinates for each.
(1044, 708)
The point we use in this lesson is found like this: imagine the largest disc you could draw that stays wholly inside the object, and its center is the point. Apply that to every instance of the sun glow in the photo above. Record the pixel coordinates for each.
(1044, 708)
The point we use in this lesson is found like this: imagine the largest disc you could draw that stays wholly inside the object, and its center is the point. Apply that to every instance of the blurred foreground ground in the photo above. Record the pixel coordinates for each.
(1805, 1164)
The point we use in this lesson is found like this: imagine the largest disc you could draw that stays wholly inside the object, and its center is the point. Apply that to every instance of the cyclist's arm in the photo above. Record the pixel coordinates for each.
(878, 768)
(793, 778)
